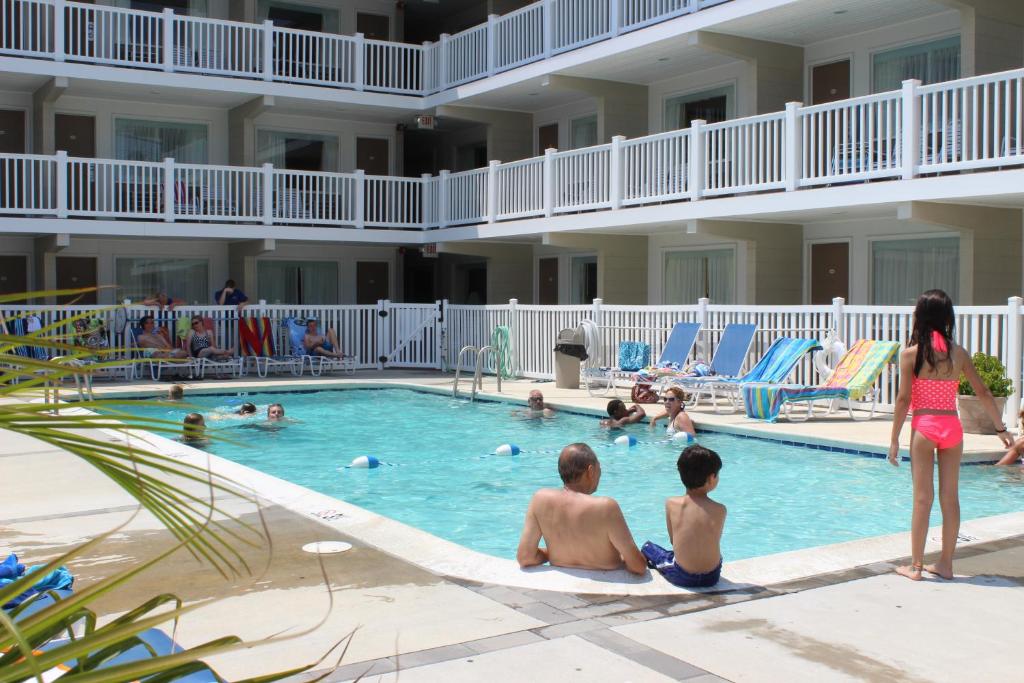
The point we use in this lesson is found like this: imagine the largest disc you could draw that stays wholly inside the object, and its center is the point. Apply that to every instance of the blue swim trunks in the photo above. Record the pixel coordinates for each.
(327, 346)
(665, 562)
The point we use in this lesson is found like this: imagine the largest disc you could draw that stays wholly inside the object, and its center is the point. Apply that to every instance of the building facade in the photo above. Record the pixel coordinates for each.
(640, 151)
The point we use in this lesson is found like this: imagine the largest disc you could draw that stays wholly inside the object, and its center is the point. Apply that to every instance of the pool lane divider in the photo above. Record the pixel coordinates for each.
(623, 442)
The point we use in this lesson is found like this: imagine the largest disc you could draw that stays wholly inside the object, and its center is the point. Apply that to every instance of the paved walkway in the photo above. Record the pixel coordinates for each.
(409, 624)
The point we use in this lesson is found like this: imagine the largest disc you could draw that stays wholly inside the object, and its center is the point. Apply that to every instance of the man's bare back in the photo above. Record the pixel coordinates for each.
(695, 524)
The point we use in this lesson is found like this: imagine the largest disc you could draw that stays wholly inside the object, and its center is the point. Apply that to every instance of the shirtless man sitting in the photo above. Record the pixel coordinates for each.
(154, 344)
(320, 344)
(579, 529)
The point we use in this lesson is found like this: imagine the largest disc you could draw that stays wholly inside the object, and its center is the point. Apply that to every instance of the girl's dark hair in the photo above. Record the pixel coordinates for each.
(933, 313)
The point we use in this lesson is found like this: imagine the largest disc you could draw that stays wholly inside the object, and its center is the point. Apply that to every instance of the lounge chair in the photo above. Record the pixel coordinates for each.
(156, 365)
(852, 381)
(295, 333)
(233, 365)
(672, 359)
(729, 359)
(775, 366)
(256, 339)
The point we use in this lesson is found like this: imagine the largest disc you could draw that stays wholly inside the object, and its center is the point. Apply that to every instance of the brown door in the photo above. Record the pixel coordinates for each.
(13, 274)
(547, 137)
(373, 26)
(547, 282)
(75, 134)
(830, 82)
(830, 272)
(372, 155)
(12, 131)
(372, 281)
(75, 272)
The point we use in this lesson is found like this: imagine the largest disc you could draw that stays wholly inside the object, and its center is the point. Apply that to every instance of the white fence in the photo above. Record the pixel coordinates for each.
(972, 123)
(390, 334)
(81, 32)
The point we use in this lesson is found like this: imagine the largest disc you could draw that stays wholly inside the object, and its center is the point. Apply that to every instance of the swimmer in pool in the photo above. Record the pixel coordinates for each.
(193, 429)
(620, 416)
(675, 411)
(246, 409)
(535, 407)
(176, 393)
(275, 412)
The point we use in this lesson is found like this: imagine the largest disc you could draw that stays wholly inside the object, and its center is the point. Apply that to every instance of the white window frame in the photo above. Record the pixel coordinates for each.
(569, 274)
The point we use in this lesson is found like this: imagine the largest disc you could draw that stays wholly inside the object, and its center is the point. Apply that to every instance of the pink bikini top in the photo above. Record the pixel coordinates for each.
(934, 394)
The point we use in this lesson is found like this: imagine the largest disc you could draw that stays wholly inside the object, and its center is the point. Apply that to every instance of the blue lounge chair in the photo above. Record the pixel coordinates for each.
(673, 357)
(729, 359)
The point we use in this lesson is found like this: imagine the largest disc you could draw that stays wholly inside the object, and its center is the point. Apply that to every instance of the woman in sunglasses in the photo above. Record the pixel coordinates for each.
(201, 342)
(675, 411)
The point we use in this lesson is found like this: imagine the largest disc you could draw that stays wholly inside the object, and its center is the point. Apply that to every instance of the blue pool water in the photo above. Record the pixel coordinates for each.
(441, 478)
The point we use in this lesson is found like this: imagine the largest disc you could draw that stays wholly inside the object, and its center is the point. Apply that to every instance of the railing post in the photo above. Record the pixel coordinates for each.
(168, 39)
(1014, 351)
(695, 179)
(442, 58)
(615, 169)
(702, 319)
(59, 15)
(358, 62)
(383, 333)
(839, 319)
(549, 181)
(268, 194)
(492, 44)
(548, 23)
(360, 190)
(793, 140)
(492, 191)
(61, 185)
(910, 148)
(169, 190)
(268, 50)
(442, 200)
(427, 68)
(595, 307)
(429, 206)
(614, 16)
(513, 320)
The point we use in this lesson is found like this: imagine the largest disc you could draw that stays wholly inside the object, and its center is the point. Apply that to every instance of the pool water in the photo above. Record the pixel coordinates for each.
(439, 474)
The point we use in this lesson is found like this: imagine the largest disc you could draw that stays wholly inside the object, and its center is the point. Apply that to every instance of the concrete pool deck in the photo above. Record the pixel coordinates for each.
(854, 622)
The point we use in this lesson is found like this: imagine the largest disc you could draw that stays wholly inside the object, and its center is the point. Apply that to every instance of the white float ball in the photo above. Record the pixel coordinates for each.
(626, 441)
(364, 462)
(683, 437)
(507, 449)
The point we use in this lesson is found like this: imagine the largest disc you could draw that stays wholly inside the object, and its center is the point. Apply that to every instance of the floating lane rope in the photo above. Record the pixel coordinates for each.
(365, 462)
(623, 442)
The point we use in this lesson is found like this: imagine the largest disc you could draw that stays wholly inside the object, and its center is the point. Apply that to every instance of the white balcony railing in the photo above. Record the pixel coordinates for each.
(75, 31)
(886, 136)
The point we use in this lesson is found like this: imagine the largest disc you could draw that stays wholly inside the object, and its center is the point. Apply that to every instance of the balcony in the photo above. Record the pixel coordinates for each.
(951, 127)
(77, 32)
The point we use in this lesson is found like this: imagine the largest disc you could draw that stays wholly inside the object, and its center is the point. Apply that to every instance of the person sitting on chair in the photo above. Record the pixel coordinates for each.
(154, 344)
(321, 344)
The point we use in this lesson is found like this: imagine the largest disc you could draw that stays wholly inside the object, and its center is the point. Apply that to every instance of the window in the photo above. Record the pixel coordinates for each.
(712, 106)
(583, 270)
(931, 62)
(298, 282)
(692, 274)
(583, 132)
(297, 16)
(297, 151)
(138, 140)
(186, 279)
(902, 269)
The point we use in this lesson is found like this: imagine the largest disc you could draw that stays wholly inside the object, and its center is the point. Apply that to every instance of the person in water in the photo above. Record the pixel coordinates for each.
(275, 412)
(536, 407)
(579, 529)
(620, 416)
(246, 409)
(675, 411)
(930, 369)
(176, 393)
(193, 429)
(695, 524)
(1016, 451)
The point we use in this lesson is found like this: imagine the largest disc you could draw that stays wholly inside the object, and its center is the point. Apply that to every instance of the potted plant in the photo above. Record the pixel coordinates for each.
(993, 375)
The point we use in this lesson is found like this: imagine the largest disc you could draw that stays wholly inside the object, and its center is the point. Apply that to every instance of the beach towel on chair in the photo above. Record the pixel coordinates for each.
(256, 337)
(634, 355)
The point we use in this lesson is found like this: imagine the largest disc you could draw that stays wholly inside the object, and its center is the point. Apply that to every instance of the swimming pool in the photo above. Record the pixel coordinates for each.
(439, 474)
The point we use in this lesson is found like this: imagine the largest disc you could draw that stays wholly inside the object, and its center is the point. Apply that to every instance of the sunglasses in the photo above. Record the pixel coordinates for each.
(669, 399)
(197, 322)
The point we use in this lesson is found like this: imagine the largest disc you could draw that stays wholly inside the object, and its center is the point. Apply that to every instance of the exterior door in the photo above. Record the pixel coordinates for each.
(830, 272)
(547, 282)
(13, 274)
(372, 155)
(75, 134)
(12, 131)
(75, 272)
(547, 137)
(372, 281)
(373, 26)
(830, 82)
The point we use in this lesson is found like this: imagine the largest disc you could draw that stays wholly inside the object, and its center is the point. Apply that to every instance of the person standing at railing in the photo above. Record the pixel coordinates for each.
(161, 300)
(930, 369)
(231, 295)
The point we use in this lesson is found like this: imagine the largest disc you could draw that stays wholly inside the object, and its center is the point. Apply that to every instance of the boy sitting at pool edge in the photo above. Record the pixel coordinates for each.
(695, 524)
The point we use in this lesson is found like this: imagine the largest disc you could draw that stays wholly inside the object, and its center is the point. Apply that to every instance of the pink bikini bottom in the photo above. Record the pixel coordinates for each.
(944, 430)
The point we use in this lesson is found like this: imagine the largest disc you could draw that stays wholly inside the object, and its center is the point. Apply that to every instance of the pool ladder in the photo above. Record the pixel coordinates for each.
(478, 379)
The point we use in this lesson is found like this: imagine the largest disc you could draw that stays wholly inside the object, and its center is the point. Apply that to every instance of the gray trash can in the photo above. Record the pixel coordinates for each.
(569, 353)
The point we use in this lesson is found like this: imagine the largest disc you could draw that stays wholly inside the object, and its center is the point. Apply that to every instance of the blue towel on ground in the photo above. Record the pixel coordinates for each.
(59, 579)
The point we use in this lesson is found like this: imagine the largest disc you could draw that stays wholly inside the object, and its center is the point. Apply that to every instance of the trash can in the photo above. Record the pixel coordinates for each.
(570, 351)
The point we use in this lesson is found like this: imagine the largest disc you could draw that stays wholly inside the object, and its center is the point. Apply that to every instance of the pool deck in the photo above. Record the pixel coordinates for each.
(836, 613)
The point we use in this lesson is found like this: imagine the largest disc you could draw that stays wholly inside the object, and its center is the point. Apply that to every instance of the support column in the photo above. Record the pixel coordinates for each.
(242, 131)
(43, 101)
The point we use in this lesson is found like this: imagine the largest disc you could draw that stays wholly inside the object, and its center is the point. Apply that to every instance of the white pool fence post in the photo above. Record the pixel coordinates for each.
(598, 317)
(1014, 353)
(513, 312)
(839, 319)
(440, 321)
(705, 333)
(383, 329)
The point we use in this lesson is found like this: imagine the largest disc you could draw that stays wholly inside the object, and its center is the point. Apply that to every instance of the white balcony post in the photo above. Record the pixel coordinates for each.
(61, 184)
(548, 22)
(549, 181)
(59, 14)
(442, 200)
(614, 16)
(793, 140)
(442, 57)
(359, 61)
(168, 39)
(427, 68)
(492, 44)
(695, 179)
(429, 205)
(268, 194)
(839, 320)
(169, 190)
(910, 135)
(360, 189)
(1014, 351)
(492, 190)
(268, 50)
(615, 170)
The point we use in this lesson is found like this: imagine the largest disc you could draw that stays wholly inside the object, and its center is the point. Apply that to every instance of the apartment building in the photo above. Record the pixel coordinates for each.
(642, 151)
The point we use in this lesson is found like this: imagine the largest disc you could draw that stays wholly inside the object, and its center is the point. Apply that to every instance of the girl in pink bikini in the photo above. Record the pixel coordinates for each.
(930, 369)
